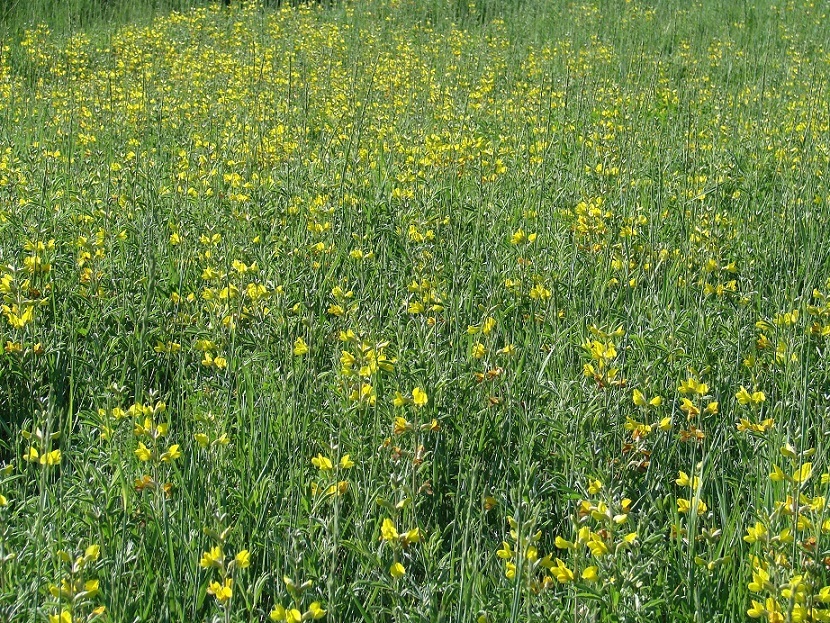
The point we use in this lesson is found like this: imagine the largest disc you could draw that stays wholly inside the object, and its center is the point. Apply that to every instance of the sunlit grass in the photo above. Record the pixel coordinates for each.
(415, 312)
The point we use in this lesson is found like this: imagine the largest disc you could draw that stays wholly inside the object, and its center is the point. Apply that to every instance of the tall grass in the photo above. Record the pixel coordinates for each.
(414, 311)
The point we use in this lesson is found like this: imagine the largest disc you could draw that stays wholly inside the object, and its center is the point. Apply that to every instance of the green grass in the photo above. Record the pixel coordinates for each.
(71, 15)
(465, 244)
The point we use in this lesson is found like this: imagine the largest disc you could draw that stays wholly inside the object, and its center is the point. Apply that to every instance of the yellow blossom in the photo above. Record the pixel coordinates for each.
(243, 559)
(419, 397)
(316, 611)
(803, 473)
(214, 558)
(562, 573)
(143, 452)
(756, 533)
(388, 532)
(397, 570)
(222, 592)
(597, 546)
(401, 426)
(300, 347)
(746, 398)
(322, 463)
(684, 480)
(589, 574)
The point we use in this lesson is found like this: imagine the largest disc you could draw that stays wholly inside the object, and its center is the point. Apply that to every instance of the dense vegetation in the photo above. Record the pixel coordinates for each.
(415, 311)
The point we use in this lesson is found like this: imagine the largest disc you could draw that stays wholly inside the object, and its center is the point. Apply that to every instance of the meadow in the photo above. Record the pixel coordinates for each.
(415, 311)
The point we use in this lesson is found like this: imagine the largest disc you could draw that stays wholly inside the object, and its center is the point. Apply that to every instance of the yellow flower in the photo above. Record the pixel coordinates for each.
(639, 398)
(92, 553)
(51, 458)
(143, 452)
(758, 532)
(91, 587)
(803, 473)
(684, 480)
(222, 592)
(539, 292)
(300, 347)
(760, 580)
(753, 399)
(594, 487)
(757, 610)
(292, 615)
(505, 552)
(388, 532)
(243, 559)
(785, 536)
(214, 558)
(479, 350)
(419, 397)
(562, 543)
(488, 326)
(509, 570)
(689, 408)
(397, 570)
(562, 573)
(777, 474)
(172, 454)
(346, 462)
(316, 611)
(590, 573)
(400, 400)
(64, 617)
(743, 396)
(401, 426)
(412, 536)
(692, 386)
(322, 463)
(31, 455)
(597, 546)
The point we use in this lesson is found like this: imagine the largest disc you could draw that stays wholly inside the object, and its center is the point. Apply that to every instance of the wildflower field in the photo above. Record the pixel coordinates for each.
(398, 311)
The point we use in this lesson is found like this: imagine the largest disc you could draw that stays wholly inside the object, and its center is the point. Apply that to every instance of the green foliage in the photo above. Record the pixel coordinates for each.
(414, 311)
